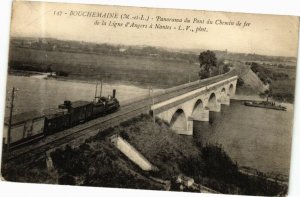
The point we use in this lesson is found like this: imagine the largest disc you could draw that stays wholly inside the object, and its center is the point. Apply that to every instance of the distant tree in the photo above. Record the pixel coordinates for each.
(208, 62)
(267, 94)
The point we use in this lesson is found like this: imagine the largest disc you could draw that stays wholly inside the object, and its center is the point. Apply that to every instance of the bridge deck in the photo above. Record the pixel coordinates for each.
(201, 89)
(182, 89)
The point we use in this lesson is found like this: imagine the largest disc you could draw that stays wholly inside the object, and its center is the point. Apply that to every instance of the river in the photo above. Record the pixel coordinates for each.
(254, 137)
(36, 93)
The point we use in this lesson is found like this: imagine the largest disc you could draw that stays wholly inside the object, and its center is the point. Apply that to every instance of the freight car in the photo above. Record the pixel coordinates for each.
(25, 127)
(56, 120)
(80, 111)
(30, 126)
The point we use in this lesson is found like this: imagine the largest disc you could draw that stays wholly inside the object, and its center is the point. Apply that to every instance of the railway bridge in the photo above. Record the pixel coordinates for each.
(178, 106)
(181, 110)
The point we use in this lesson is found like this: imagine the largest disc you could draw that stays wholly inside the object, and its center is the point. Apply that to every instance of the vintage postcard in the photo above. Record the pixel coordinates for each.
(148, 98)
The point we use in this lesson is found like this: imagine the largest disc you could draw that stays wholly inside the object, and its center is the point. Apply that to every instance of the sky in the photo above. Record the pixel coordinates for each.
(266, 34)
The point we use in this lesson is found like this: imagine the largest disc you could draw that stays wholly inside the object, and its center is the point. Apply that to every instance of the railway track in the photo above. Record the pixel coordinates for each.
(159, 97)
(84, 131)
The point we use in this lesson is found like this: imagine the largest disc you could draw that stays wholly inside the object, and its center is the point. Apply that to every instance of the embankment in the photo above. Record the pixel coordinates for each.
(97, 162)
(251, 79)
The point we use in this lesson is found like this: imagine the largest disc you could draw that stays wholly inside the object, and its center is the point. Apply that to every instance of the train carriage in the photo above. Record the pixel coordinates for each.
(56, 120)
(80, 111)
(31, 126)
(27, 126)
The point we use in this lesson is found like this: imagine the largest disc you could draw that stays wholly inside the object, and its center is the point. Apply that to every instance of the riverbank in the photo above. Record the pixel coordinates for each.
(48, 76)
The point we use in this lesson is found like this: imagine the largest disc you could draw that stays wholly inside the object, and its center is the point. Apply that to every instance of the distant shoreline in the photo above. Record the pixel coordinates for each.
(87, 81)
(238, 97)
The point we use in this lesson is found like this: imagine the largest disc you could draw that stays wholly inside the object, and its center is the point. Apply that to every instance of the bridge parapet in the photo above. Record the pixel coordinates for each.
(203, 82)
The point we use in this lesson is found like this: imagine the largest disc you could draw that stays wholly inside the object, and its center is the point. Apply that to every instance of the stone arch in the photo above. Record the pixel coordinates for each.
(200, 113)
(212, 100)
(178, 121)
(231, 90)
(223, 90)
(223, 93)
(213, 104)
(198, 106)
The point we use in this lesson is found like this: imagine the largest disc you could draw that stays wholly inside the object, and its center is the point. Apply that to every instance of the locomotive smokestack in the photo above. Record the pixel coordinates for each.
(114, 93)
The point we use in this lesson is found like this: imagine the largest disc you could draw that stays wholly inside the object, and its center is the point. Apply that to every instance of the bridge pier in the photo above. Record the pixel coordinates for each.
(201, 115)
(185, 131)
(215, 108)
(225, 100)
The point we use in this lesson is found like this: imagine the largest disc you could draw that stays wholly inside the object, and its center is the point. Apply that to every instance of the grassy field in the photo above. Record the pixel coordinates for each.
(281, 80)
(284, 89)
(144, 71)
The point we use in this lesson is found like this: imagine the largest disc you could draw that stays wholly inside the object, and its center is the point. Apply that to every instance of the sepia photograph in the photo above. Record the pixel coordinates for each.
(149, 98)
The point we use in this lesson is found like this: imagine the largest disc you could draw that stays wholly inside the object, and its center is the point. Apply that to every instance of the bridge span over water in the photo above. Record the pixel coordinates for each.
(181, 110)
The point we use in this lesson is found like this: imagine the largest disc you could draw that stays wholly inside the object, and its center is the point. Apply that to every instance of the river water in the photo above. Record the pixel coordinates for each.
(36, 93)
(254, 137)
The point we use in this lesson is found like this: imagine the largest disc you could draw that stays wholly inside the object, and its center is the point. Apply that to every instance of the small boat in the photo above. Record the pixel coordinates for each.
(264, 104)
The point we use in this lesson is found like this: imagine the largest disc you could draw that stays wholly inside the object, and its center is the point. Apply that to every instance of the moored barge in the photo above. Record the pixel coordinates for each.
(265, 104)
